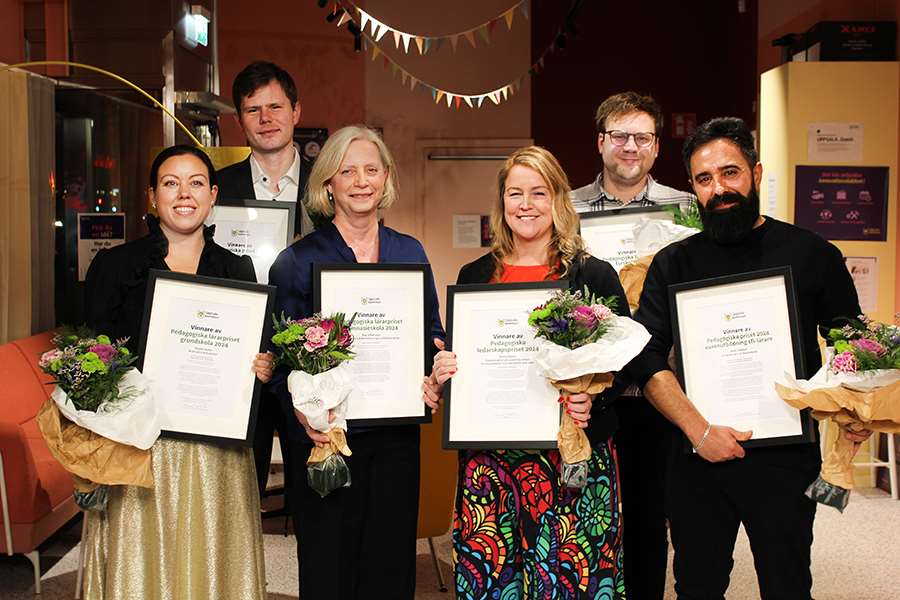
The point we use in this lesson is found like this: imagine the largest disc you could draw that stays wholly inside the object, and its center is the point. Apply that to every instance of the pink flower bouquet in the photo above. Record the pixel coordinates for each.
(858, 388)
(317, 349)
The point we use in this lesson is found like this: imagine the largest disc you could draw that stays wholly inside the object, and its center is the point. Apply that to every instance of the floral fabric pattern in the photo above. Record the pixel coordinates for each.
(518, 534)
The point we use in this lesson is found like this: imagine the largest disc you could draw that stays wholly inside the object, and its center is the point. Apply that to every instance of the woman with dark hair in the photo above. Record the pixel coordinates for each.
(517, 532)
(196, 533)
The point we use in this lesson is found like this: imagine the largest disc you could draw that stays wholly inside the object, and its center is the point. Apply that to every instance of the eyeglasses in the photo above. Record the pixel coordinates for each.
(620, 138)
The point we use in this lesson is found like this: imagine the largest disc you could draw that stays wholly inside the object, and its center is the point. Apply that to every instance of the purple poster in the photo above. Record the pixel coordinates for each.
(842, 203)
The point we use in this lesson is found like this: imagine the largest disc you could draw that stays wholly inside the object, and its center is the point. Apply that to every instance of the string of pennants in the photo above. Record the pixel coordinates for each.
(377, 30)
(424, 43)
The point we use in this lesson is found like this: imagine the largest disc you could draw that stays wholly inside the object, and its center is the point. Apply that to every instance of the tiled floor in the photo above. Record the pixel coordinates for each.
(854, 558)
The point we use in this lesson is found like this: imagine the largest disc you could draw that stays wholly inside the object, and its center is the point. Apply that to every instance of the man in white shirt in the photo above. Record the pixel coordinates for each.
(268, 109)
(265, 97)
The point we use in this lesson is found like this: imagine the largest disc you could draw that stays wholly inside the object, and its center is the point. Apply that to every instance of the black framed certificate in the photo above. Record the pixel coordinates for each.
(390, 336)
(609, 234)
(258, 228)
(735, 336)
(497, 399)
(199, 338)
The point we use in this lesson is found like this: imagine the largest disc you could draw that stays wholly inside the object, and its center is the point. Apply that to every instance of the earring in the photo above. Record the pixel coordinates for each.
(331, 197)
(153, 205)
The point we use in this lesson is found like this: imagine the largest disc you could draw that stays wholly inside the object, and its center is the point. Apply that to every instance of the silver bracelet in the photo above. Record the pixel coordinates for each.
(703, 439)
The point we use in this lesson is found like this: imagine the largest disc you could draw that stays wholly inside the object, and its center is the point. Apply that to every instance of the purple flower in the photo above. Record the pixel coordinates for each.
(558, 325)
(844, 362)
(345, 339)
(584, 316)
(316, 338)
(105, 352)
(867, 345)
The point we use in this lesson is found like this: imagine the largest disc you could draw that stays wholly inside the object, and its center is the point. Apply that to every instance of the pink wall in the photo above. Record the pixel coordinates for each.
(330, 76)
(406, 116)
(12, 31)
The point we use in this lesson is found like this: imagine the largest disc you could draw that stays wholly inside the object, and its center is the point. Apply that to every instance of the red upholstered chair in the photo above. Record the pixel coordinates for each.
(35, 491)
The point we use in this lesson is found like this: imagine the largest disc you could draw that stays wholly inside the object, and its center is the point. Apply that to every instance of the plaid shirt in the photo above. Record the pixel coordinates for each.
(593, 197)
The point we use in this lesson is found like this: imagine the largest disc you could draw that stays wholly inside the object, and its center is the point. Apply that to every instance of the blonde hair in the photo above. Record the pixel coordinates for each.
(329, 160)
(565, 241)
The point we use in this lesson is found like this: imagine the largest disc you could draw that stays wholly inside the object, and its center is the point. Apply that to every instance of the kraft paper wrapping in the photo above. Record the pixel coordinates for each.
(574, 445)
(92, 459)
(337, 445)
(632, 277)
(877, 409)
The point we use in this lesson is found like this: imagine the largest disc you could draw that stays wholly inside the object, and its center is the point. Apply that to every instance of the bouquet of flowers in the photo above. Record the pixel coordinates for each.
(101, 419)
(651, 236)
(317, 350)
(858, 388)
(580, 342)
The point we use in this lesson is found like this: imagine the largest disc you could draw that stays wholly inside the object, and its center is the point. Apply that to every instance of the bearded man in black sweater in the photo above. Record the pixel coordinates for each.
(710, 492)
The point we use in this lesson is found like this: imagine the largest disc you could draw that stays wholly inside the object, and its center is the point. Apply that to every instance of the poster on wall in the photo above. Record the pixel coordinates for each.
(97, 231)
(842, 203)
(864, 271)
(828, 142)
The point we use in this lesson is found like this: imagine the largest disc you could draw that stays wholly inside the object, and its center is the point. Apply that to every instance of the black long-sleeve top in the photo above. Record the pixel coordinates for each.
(825, 290)
(116, 283)
(600, 279)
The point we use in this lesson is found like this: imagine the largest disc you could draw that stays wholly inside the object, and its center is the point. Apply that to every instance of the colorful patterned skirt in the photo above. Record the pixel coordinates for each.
(518, 534)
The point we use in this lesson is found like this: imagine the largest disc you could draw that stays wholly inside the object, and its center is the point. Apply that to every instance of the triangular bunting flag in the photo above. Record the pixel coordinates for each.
(375, 51)
(365, 44)
(375, 25)
(419, 44)
(440, 94)
(438, 43)
(396, 39)
(492, 25)
(427, 44)
(403, 76)
(405, 37)
(493, 97)
(412, 83)
(363, 19)
(381, 34)
(470, 35)
(483, 32)
(457, 99)
(453, 41)
(480, 101)
(449, 100)
(345, 16)
(394, 68)
(468, 100)
(508, 15)
(524, 8)
(434, 94)
(385, 61)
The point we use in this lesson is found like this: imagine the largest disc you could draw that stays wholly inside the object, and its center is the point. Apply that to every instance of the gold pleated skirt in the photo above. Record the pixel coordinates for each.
(195, 535)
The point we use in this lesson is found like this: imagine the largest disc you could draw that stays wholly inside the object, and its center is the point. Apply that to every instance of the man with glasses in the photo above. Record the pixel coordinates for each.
(629, 126)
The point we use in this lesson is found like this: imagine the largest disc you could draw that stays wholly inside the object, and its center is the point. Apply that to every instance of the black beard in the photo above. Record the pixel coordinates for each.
(732, 224)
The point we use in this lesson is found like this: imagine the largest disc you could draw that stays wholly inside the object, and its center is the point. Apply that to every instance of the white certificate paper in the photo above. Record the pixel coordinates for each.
(258, 232)
(610, 236)
(735, 343)
(197, 352)
(388, 339)
(497, 398)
